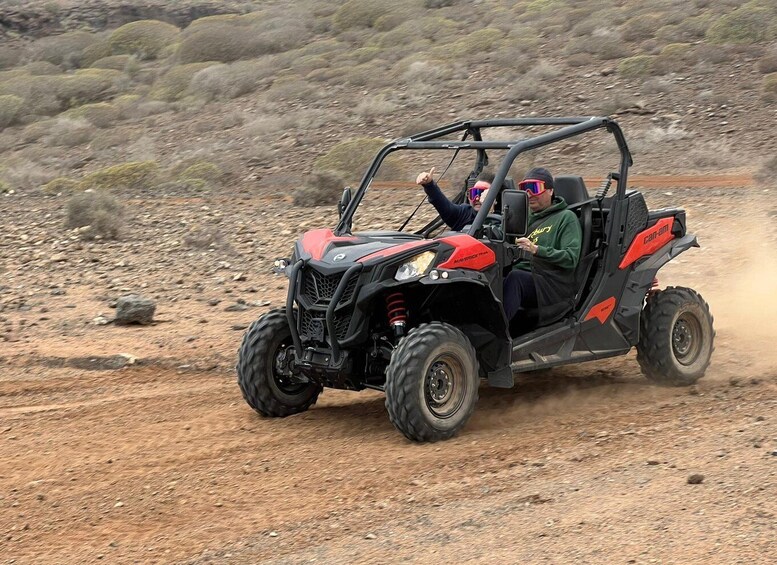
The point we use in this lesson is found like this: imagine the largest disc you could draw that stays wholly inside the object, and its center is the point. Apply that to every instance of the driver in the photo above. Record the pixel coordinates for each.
(456, 216)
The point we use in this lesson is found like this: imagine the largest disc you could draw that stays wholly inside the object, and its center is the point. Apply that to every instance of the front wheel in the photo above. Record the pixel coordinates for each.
(676, 337)
(265, 369)
(432, 382)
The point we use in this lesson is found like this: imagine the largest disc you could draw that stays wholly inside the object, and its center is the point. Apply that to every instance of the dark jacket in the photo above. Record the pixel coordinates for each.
(456, 216)
(556, 231)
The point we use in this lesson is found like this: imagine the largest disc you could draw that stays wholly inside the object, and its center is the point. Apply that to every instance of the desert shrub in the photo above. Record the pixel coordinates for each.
(536, 7)
(436, 29)
(479, 41)
(40, 68)
(674, 57)
(434, 4)
(206, 21)
(359, 14)
(100, 114)
(66, 49)
(129, 176)
(713, 53)
(374, 107)
(742, 26)
(230, 81)
(143, 38)
(637, 66)
(86, 85)
(203, 237)
(608, 47)
(9, 57)
(115, 62)
(614, 103)
(227, 42)
(543, 70)
(768, 62)
(101, 212)
(580, 60)
(351, 158)
(173, 84)
(320, 188)
(203, 170)
(769, 87)
(96, 51)
(292, 88)
(10, 108)
(61, 185)
(23, 174)
(641, 27)
(529, 90)
(68, 132)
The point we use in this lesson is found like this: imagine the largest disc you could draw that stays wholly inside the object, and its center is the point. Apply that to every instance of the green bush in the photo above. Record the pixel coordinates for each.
(230, 81)
(10, 107)
(360, 14)
(129, 176)
(61, 185)
(351, 159)
(674, 57)
(768, 63)
(86, 85)
(41, 68)
(144, 38)
(641, 27)
(637, 66)
(174, 83)
(321, 188)
(115, 62)
(96, 51)
(480, 41)
(98, 211)
(66, 49)
(100, 114)
(743, 26)
(769, 87)
(69, 132)
(9, 57)
(206, 171)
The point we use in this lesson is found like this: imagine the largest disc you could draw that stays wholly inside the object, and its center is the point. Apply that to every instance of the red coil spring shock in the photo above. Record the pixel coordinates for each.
(397, 313)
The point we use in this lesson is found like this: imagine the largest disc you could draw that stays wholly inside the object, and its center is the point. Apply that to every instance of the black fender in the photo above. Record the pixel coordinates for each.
(640, 281)
(469, 303)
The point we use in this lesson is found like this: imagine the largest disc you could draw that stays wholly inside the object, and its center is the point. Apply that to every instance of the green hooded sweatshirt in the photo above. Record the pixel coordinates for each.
(556, 231)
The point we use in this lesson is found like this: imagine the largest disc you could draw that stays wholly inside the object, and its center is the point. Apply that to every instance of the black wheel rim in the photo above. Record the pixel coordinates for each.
(686, 339)
(445, 386)
(283, 371)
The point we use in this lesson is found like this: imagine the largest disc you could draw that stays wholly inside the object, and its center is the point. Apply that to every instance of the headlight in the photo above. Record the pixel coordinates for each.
(415, 267)
(282, 267)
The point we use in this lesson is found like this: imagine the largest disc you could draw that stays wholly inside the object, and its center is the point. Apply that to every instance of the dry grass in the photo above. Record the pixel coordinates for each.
(320, 188)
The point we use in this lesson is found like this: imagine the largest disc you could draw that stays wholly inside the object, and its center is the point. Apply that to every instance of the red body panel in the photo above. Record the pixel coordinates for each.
(393, 250)
(315, 242)
(601, 311)
(469, 253)
(649, 241)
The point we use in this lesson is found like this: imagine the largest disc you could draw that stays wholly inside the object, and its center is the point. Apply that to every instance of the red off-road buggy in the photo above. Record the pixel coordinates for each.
(418, 315)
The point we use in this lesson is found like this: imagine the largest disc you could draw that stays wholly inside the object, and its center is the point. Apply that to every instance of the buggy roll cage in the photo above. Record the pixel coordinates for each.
(573, 126)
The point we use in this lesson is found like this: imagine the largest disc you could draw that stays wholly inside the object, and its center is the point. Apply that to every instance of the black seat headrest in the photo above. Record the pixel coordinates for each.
(570, 188)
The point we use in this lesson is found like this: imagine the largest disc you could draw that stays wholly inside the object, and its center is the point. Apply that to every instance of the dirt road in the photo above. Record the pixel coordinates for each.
(161, 461)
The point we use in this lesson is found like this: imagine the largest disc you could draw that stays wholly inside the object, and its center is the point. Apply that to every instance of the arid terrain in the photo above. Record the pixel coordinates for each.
(133, 444)
(210, 135)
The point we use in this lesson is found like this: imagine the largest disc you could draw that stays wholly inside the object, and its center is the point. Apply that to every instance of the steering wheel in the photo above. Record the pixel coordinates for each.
(494, 219)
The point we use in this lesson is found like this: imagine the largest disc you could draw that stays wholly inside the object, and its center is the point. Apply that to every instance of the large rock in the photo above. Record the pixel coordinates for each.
(133, 309)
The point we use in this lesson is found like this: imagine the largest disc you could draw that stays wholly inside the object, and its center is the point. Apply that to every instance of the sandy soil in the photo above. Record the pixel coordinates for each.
(161, 461)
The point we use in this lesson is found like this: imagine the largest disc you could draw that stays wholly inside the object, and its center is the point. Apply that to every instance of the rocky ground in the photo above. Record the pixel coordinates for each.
(132, 444)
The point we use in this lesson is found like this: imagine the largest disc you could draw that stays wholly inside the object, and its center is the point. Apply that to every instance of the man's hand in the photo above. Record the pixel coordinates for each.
(526, 244)
(425, 177)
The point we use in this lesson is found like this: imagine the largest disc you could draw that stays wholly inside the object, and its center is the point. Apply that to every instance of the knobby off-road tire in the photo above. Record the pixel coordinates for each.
(676, 337)
(263, 371)
(432, 382)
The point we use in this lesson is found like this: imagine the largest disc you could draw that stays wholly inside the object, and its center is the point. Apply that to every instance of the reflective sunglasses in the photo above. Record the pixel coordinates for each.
(533, 186)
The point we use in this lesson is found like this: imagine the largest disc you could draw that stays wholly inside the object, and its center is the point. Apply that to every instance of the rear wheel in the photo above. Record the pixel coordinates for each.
(265, 369)
(432, 382)
(676, 337)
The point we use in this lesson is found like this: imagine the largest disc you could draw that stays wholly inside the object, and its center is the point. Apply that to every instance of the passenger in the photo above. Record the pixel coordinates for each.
(546, 280)
(456, 216)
